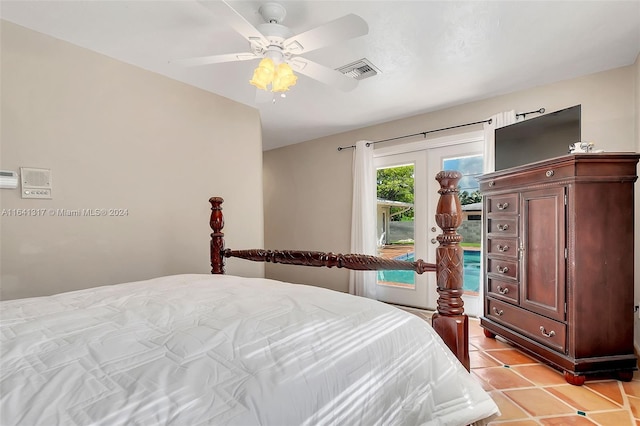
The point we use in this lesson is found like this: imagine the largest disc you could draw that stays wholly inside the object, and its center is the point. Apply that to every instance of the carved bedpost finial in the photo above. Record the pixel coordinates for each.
(217, 237)
(450, 320)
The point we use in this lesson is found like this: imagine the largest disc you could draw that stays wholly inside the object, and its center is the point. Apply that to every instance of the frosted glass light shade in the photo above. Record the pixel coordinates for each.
(263, 74)
(283, 79)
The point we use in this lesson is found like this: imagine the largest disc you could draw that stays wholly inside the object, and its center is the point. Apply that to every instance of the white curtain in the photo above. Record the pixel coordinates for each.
(499, 120)
(363, 218)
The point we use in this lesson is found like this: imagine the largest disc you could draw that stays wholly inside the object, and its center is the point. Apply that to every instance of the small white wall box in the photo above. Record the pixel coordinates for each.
(8, 179)
(36, 183)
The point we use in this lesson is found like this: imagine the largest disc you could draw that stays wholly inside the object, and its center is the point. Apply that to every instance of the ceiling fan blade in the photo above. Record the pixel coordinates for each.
(333, 32)
(323, 74)
(215, 59)
(231, 17)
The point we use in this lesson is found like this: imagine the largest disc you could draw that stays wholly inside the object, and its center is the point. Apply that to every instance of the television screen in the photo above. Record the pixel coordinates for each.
(537, 139)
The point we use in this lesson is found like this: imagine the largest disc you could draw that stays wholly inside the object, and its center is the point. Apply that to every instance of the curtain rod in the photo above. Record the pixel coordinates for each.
(524, 114)
(425, 133)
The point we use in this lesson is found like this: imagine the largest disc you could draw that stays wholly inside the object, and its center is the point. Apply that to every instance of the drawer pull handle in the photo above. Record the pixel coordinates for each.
(491, 184)
(503, 269)
(549, 173)
(544, 332)
(503, 206)
(503, 249)
(503, 227)
(502, 290)
(498, 312)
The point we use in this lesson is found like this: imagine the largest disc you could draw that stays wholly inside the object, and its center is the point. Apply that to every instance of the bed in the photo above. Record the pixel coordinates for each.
(215, 349)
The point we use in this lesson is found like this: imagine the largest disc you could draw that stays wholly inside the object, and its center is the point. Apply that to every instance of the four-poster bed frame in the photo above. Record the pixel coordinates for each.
(450, 321)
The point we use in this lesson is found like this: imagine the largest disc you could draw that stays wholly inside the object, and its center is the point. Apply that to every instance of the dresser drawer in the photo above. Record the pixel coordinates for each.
(502, 226)
(507, 203)
(541, 329)
(503, 289)
(503, 268)
(503, 246)
(543, 172)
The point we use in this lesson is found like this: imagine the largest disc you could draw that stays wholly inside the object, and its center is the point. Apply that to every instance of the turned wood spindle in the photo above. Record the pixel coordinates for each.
(217, 237)
(450, 320)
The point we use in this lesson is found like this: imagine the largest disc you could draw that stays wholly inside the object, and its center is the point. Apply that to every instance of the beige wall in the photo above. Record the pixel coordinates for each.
(308, 185)
(116, 136)
(307, 202)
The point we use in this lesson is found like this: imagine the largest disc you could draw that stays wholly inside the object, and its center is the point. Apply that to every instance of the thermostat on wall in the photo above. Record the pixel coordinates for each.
(8, 179)
(36, 183)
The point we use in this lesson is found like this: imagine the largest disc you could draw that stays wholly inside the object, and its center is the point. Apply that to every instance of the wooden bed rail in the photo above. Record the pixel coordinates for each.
(358, 262)
(450, 321)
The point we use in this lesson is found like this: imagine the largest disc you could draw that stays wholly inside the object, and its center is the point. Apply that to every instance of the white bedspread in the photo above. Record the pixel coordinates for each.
(205, 349)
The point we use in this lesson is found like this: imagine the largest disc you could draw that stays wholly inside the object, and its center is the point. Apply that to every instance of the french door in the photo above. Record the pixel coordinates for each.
(402, 222)
(406, 222)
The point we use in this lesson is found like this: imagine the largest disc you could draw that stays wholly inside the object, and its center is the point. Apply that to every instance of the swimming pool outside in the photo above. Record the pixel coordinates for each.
(471, 259)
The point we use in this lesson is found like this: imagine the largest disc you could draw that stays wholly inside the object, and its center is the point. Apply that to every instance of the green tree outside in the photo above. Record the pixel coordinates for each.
(470, 198)
(396, 184)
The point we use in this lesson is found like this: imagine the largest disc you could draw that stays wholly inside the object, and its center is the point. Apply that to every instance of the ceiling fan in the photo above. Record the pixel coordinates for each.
(279, 48)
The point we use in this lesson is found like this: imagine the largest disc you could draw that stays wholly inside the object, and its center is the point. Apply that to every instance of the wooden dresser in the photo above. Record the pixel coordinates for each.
(559, 261)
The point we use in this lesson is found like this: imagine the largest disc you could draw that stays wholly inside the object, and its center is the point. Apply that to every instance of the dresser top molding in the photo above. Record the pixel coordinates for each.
(566, 169)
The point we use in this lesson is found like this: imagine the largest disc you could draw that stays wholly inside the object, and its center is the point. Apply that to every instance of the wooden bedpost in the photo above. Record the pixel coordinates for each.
(450, 322)
(217, 237)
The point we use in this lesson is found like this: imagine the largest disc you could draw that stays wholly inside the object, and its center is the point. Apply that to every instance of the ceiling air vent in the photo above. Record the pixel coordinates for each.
(359, 70)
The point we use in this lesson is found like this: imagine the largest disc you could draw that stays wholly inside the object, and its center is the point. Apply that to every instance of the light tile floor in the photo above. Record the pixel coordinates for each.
(531, 393)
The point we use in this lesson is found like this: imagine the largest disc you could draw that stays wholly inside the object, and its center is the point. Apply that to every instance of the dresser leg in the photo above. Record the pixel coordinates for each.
(488, 334)
(625, 375)
(574, 379)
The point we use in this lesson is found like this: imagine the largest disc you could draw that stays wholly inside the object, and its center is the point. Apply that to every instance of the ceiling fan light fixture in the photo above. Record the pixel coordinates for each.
(280, 77)
(263, 74)
(284, 78)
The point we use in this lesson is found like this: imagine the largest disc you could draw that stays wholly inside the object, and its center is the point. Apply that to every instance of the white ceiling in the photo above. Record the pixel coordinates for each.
(431, 54)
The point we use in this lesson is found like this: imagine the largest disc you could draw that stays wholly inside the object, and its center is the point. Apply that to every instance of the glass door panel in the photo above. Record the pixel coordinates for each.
(401, 213)
(471, 228)
(395, 213)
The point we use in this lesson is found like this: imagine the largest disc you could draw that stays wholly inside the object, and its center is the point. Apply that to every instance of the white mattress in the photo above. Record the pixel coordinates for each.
(206, 349)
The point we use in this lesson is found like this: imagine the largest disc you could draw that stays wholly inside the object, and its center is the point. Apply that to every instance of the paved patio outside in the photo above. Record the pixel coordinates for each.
(395, 250)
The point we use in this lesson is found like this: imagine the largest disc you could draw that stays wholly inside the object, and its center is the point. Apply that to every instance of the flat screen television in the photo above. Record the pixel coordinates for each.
(537, 139)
